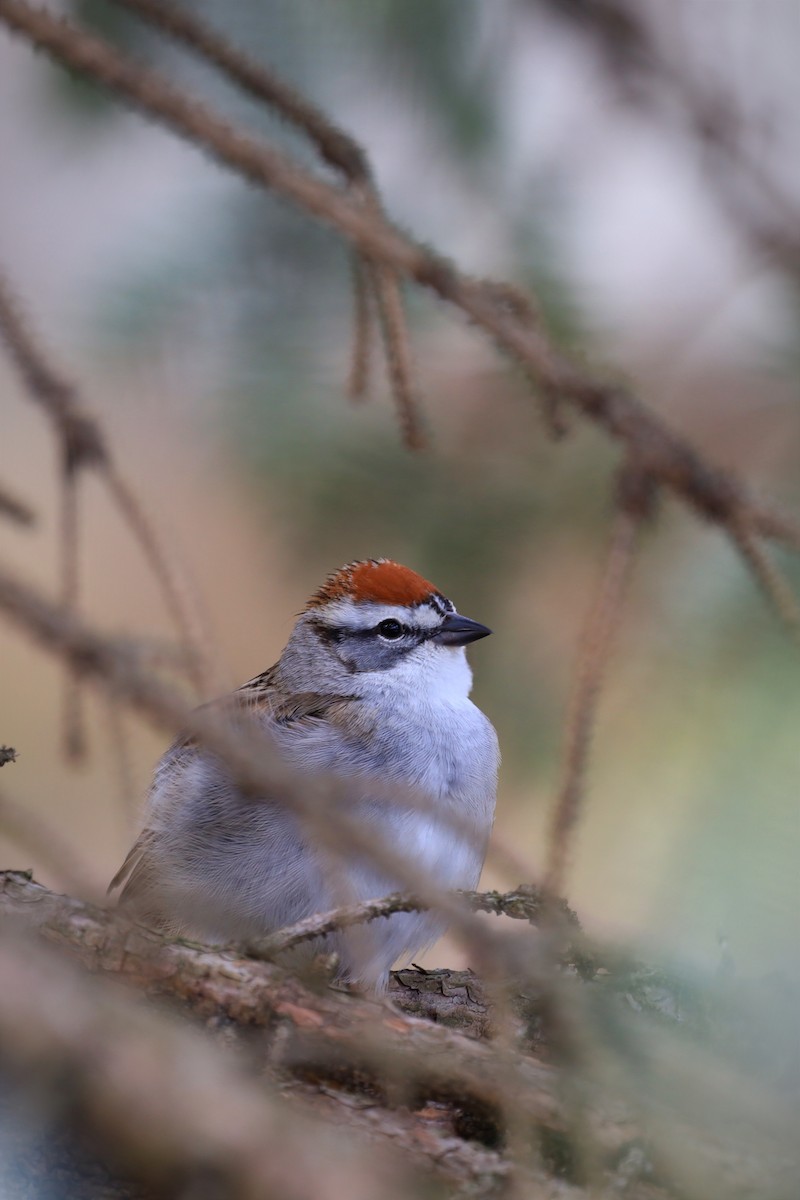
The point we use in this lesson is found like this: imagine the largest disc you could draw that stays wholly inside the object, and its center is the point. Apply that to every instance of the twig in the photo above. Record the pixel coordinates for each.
(362, 339)
(74, 728)
(763, 213)
(667, 458)
(767, 574)
(397, 348)
(593, 656)
(180, 599)
(338, 918)
(84, 446)
(333, 143)
(342, 152)
(525, 903)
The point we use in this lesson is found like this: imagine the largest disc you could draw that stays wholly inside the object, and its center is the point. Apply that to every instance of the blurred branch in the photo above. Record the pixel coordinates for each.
(187, 1117)
(634, 504)
(74, 726)
(15, 509)
(668, 458)
(768, 576)
(339, 150)
(83, 445)
(352, 1053)
(334, 144)
(251, 993)
(526, 903)
(765, 216)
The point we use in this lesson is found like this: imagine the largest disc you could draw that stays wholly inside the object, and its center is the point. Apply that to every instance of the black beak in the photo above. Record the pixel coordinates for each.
(458, 631)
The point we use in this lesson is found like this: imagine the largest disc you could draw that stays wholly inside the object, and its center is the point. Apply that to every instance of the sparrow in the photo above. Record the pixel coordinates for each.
(373, 683)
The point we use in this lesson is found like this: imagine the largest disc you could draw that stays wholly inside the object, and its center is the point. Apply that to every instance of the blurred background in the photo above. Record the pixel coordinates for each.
(637, 168)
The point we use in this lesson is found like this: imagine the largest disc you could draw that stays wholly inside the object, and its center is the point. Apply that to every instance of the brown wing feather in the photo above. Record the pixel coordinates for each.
(137, 875)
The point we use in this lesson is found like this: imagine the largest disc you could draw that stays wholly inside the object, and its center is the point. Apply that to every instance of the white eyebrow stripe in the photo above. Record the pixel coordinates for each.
(367, 614)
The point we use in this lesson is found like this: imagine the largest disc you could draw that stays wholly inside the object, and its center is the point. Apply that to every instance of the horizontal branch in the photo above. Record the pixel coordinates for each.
(160, 1099)
(315, 1028)
(527, 903)
(366, 1066)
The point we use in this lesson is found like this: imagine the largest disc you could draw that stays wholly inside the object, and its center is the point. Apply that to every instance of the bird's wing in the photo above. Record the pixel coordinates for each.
(258, 696)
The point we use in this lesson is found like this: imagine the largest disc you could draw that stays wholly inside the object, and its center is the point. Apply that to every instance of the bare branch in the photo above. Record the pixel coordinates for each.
(397, 347)
(217, 981)
(74, 727)
(596, 642)
(338, 918)
(669, 459)
(762, 211)
(361, 353)
(767, 575)
(188, 1112)
(83, 445)
(335, 146)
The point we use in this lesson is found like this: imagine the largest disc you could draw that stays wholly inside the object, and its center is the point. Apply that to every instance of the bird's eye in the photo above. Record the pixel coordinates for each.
(391, 629)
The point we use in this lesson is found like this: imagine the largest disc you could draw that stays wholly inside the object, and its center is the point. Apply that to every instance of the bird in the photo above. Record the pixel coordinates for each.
(373, 684)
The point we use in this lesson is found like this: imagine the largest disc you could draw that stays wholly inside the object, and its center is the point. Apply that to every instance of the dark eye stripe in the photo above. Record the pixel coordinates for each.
(410, 637)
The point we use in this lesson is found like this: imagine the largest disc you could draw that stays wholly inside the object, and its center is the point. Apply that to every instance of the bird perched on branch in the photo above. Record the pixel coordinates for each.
(372, 687)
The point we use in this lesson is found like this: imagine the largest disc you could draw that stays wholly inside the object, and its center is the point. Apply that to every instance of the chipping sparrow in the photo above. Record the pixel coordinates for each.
(373, 681)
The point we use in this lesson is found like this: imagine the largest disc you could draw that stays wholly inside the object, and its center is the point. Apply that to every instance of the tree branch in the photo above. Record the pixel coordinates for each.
(669, 459)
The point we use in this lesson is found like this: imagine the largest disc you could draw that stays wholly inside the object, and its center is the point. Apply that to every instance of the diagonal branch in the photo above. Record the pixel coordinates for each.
(83, 445)
(341, 151)
(668, 458)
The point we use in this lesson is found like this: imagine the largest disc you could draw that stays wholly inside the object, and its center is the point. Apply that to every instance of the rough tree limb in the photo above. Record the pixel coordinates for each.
(161, 1099)
(408, 1083)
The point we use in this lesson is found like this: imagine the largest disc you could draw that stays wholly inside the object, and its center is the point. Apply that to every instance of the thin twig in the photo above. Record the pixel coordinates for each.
(181, 600)
(338, 918)
(762, 211)
(337, 148)
(333, 143)
(84, 446)
(74, 725)
(767, 574)
(397, 348)
(362, 337)
(596, 644)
